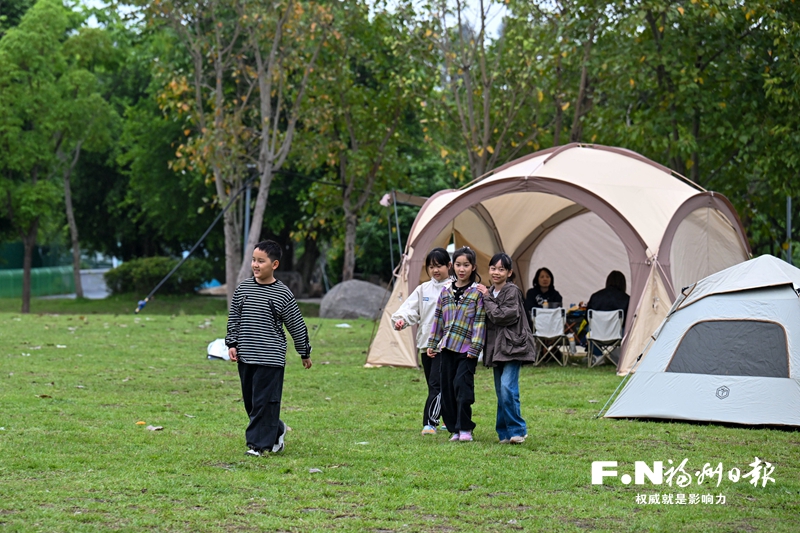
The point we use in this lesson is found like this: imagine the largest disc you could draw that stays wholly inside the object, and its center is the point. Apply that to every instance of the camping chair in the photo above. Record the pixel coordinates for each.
(548, 330)
(605, 333)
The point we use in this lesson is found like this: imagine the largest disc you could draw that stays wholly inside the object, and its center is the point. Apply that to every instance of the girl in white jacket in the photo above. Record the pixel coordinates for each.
(418, 309)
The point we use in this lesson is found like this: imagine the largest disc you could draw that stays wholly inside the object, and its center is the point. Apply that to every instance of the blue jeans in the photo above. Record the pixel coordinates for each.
(506, 385)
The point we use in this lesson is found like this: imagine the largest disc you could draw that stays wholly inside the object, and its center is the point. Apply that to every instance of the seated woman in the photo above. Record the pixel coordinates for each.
(613, 297)
(543, 293)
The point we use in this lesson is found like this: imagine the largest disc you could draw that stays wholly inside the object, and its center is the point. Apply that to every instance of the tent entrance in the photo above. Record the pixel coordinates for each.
(733, 348)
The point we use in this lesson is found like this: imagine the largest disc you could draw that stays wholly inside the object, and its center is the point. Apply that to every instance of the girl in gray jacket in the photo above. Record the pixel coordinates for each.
(509, 344)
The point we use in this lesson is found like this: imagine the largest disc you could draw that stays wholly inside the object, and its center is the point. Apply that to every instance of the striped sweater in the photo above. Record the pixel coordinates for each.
(255, 323)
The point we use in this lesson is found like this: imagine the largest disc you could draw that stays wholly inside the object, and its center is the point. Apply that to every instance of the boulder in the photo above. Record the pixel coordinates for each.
(354, 299)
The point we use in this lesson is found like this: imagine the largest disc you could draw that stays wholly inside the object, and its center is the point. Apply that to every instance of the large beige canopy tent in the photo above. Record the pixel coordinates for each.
(582, 211)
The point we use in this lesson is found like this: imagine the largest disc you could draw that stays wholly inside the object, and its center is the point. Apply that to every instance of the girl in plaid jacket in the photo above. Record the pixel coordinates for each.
(457, 336)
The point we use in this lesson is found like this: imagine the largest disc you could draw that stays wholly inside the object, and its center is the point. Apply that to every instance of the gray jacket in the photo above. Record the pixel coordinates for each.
(508, 336)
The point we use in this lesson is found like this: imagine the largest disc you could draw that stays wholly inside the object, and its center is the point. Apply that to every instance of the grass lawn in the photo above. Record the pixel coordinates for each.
(123, 304)
(73, 387)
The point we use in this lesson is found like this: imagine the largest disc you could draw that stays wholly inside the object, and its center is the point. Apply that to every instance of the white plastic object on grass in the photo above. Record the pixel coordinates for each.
(218, 350)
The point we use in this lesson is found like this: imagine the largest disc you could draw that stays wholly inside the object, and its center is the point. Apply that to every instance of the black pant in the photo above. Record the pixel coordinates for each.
(458, 390)
(262, 388)
(432, 368)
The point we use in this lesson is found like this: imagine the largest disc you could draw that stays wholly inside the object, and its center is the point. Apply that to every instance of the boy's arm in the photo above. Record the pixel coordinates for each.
(234, 320)
(478, 329)
(297, 328)
(409, 310)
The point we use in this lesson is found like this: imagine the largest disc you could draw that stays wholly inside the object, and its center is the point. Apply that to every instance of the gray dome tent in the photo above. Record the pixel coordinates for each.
(728, 351)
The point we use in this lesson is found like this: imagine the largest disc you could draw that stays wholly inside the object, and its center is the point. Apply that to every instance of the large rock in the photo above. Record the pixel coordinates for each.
(354, 299)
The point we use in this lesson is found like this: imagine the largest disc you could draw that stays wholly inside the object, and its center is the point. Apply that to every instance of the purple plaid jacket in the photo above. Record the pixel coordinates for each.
(459, 327)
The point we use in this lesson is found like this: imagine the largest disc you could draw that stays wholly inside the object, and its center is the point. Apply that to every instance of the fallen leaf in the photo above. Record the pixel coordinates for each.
(126, 379)
(154, 428)
(593, 401)
(327, 399)
(43, 396)
(79, 387)
(141, 423)
(314, 471)
(189, 416)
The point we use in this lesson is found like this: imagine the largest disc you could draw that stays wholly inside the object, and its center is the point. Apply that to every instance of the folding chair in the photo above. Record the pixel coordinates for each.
(605, 333)
(548, 330)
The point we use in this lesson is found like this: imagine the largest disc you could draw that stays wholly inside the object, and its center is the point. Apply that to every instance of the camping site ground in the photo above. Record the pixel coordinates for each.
(73, 458)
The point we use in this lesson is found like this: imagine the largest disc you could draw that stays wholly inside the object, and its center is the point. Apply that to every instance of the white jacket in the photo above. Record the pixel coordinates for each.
(419, 308)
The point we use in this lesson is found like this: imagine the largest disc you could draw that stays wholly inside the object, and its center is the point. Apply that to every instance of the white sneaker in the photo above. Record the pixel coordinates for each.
(253, 453)
(279, 446)
(516, 440)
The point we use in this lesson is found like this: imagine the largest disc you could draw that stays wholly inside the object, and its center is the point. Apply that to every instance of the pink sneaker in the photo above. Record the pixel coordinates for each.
(465, 436)
(454, 437)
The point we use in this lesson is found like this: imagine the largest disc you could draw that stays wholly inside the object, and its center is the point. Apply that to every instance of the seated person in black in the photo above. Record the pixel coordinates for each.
(613, 297)
(543, 290)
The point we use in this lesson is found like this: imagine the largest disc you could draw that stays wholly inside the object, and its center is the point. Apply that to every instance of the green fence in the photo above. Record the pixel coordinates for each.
(44, 281)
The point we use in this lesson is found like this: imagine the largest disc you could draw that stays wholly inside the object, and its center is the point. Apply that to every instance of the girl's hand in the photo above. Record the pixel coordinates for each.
(431, 353)
(232, 354)
(482, 289)
(399, 324)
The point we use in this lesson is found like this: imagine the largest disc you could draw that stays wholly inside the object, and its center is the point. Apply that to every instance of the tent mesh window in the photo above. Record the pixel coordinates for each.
(733, 348)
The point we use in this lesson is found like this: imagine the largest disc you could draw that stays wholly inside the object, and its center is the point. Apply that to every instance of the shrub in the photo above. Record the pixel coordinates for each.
(142, 275)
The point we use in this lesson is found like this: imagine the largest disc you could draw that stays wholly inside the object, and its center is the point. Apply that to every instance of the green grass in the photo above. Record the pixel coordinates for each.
(72, 458)
(123, 304)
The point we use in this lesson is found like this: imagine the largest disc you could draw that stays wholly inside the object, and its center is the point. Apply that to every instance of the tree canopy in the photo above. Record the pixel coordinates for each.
(145, 120)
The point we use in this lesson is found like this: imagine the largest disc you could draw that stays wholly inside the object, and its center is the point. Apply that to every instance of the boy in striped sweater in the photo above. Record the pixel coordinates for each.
(260, 306)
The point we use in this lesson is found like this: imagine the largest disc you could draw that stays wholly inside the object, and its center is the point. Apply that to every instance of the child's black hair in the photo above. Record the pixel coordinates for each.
(505, 262)
(467, 252)
(271, 248)
(437, 257)
(536, 278)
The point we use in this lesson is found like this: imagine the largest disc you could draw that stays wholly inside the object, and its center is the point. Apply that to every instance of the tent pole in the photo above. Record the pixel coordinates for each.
(397, 222)
(391, 249)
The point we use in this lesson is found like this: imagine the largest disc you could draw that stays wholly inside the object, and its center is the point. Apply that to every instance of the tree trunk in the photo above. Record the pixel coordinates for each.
(576, 132)
(309, 260)
(73, 234)
(559, 110)
(350, 222)
(257, 220)
(28, 243)
(233, 252)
